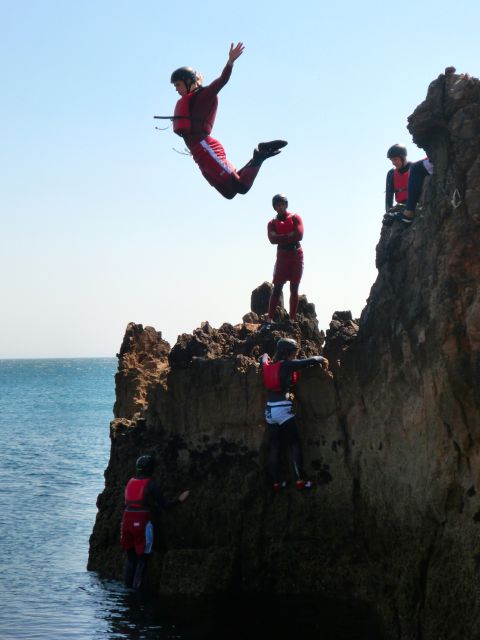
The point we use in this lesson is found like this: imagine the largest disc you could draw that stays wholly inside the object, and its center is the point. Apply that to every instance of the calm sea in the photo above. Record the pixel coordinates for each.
(54, 417)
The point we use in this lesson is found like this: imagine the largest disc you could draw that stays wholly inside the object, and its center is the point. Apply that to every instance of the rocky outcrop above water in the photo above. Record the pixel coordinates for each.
(391, 432)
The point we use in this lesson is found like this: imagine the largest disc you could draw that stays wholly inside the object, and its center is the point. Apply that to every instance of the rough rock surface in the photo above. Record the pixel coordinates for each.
(391, 434)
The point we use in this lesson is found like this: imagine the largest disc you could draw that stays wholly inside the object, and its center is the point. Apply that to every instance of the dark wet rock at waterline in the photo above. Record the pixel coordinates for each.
(391, 433)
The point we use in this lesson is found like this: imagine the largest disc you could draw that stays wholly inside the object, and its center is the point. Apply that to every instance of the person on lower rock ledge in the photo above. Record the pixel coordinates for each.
(142, 496)
(286, 231)
(279, 376)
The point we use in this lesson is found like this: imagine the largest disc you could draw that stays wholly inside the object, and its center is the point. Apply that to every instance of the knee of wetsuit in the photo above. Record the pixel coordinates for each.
(242, 188)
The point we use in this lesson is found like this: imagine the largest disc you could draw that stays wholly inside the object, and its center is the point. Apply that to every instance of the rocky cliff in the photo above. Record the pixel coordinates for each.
(391, 433)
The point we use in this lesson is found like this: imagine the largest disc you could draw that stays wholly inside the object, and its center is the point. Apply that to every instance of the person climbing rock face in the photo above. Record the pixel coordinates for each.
(142, 495)
(286, 231)
(279, 377)
(193, 120)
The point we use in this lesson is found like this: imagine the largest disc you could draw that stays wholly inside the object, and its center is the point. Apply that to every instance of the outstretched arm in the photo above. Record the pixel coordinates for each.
(214, 87)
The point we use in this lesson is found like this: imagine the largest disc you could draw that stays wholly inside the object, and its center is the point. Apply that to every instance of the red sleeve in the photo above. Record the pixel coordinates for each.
(297, 234)
(214, 87)
(270, 230)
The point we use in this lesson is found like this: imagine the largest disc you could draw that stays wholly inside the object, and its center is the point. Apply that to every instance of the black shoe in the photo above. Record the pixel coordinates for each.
(405, 220)
(389, 218)
(271, 147)
(258, 157)
(392, 214)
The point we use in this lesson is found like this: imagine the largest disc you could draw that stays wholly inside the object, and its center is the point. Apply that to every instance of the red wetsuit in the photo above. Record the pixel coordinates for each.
(289, 263)
(141, 496)
(136, 516)
(207, 152)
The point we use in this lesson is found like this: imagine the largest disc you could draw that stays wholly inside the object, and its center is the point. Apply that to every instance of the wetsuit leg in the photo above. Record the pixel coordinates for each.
(137, 579)
(129, 567)
(240, 182)
(273, 461)
(294, 298)
(246, 177)
(416, 177)
(274, 299)
(211, 158)
(295, 443)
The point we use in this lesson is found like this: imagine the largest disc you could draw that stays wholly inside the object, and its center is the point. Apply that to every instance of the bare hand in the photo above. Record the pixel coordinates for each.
(183, 496)
(235, 52)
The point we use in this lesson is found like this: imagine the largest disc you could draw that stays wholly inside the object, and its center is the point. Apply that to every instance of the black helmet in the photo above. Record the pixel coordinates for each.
(397, 151)
(279, 197)
(286, 345)
(145, 464)
(187, 74)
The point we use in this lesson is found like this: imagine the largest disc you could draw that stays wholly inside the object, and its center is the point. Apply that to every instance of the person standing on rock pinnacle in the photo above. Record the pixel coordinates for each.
(286, 231)
(142, 495)
(193, 120)
(279, 377)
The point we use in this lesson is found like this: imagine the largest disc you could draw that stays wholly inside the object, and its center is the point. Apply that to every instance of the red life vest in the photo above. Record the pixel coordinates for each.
(400, 185)
(271, 376)
(135, 493)
(182, 123)
(284, 226)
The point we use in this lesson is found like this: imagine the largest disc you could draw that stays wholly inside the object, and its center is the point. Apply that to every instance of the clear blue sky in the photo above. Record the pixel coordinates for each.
(103, 223)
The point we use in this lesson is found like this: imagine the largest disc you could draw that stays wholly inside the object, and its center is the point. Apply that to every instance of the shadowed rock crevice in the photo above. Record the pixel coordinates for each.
(391, 433)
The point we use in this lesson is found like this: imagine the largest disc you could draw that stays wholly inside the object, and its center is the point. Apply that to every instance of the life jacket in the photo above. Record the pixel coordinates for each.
(284, 226)
(135, 493)
(182, 116)
(400, 185)
(182, 122)
(271, 376)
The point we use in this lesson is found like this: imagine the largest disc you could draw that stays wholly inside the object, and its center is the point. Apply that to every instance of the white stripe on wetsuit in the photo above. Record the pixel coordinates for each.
(218, 160)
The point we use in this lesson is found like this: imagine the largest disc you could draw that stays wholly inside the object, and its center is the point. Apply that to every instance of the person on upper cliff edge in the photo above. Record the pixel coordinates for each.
(142, 495)
(286, 231)
(411, 174)
(194, 119)
(397, 178)
(278, 378)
